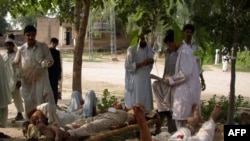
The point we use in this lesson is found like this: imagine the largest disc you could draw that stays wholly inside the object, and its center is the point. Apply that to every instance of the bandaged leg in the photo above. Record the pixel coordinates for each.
(75, 101)
(89, 104)
(206, 132)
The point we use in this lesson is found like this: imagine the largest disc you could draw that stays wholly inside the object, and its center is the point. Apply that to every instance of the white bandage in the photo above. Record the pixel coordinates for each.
(112, 110)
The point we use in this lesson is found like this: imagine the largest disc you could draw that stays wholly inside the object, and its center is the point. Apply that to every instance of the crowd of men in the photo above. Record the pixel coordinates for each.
(34, 70)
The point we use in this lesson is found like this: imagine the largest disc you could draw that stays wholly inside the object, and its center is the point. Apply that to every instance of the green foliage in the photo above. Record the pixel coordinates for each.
(3, 25)
(243, 59)
(106, 101)
(208, 105)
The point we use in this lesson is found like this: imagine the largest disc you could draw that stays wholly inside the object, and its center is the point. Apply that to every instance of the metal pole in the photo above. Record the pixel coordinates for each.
(112, 34)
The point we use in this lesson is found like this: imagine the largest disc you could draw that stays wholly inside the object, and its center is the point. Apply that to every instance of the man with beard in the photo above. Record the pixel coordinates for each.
(138, 65)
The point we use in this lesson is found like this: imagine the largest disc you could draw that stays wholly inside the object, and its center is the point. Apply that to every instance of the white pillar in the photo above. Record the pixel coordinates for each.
(217, 56)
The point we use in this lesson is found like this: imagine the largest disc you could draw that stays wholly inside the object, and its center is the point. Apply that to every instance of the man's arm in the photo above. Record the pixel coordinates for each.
(203, 85)
(145, 134)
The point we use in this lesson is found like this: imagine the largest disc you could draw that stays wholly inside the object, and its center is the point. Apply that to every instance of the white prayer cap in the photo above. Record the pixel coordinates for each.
(9, 40)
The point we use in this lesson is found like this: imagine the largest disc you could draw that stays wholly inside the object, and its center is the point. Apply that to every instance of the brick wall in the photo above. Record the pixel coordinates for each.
(47, 28)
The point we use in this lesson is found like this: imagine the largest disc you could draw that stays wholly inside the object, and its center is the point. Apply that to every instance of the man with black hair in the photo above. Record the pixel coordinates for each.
(162, 91)
(185, 83)
(34, 58)
(55, 71)
(189, 30)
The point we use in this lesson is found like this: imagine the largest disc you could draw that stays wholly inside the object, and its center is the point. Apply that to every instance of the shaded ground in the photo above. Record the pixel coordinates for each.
(99, 75)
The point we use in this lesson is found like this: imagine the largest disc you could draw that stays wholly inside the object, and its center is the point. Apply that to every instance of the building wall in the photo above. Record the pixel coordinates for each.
(50, 27)
(47, 28)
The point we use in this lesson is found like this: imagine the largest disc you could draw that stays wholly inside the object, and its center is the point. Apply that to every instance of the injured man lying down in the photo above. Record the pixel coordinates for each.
(47, 124)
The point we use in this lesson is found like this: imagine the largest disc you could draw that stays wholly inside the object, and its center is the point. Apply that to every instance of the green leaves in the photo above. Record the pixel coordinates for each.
(106, 101)
(134, 38)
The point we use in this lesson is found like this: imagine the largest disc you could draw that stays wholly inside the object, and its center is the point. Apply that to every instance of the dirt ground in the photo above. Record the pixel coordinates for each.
(106, 74)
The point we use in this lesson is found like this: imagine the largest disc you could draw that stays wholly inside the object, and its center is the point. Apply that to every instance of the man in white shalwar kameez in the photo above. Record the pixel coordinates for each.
(188, 30)
(13, 74)
(138, 65)
(5, 94)
(35, 58)
(186, 85)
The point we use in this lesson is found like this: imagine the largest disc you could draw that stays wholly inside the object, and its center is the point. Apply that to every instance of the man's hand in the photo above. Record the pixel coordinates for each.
(166, 79)
(152, 76)
(139, 112)
(148, 61)
(203, 85)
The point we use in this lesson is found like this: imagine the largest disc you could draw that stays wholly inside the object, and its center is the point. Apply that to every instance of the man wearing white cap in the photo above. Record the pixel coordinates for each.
(13, 74)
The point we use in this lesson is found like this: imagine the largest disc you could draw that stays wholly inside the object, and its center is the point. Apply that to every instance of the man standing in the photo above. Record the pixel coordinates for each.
(4, 94)
(35, 58)
(163, 92)
(188, 30)
(55, 71)
(13, 74)
(138, 65)
(186, 85)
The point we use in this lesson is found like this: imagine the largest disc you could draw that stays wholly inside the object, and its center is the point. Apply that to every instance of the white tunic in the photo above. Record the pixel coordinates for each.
(13, 73)
(36, 87)
(137, 80)
(5, 94)
(186, 84)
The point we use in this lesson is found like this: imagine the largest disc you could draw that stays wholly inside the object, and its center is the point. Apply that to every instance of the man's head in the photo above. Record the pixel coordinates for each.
(169, 37)
(188, 30)
(142, 41)
(36, 116)
(9, 45)
(53, 42)
(11, 36)
(169, 40)
(30, 35)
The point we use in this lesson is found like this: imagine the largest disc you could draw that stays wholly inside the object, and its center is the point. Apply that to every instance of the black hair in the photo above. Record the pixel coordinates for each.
(9, 43)
(169, 37)
(29, 28)
(54, 40)
(11, 36)
(188, 26)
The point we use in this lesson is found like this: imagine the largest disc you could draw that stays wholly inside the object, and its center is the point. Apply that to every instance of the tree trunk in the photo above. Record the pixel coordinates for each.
(80, 25)
(231, 109)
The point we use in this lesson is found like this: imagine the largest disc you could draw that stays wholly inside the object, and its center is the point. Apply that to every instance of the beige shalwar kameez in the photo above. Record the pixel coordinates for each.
(34, 62)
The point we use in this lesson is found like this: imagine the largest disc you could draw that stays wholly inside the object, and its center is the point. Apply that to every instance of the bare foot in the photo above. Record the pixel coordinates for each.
(46, 131)
(194, 121)
(215, 113)
(59, 133)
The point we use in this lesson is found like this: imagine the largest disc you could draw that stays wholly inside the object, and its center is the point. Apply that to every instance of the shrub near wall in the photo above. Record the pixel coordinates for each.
(208, 105)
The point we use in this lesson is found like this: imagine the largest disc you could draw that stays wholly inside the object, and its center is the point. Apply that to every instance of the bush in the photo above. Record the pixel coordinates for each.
(106, 101)
(208, 105)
